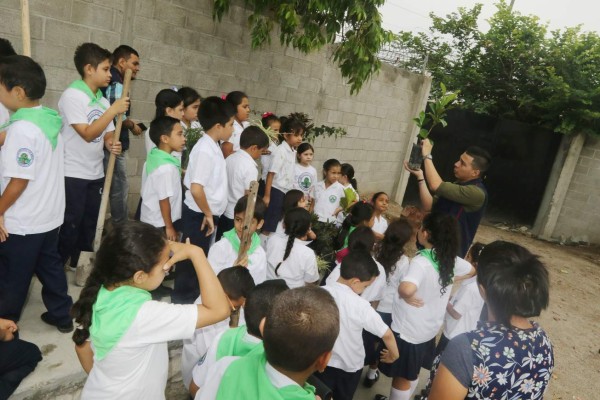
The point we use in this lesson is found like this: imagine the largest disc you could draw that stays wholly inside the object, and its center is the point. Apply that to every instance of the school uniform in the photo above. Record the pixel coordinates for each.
(327, 200)
(380, 225)
(4, 114)
(284, 159)
(84, 170)
(33, 221)
(224, 253)
(298, 269)
(305, 179)
(374, 292)
(237, 132)
(265, 161)
(159, 183)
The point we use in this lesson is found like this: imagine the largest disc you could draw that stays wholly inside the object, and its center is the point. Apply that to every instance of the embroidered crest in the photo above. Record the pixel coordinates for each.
(332, 198)
(24, 157)
(305, 181)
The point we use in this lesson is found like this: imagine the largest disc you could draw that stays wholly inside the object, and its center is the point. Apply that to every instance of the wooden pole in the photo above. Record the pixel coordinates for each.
(25, 30)
(246, 239)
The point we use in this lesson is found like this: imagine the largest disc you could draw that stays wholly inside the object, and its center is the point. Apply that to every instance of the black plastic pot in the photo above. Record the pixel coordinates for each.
(416, 156)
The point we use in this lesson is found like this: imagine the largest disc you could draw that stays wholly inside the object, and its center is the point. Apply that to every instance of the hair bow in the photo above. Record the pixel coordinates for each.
(267, 114)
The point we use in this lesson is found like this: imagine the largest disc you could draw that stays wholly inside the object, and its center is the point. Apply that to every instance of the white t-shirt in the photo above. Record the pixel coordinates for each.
(327, 200)
(419, 324)
(237, 132)
(356, 314)
(137, 367)
(164, 182)
(241, 171)
(374, 292)
(305, 179)
(284, 160)
(28, 154)
(222, 255)
(266, 160)
(298, 269)
(4, 114)
(391, 288)
(467, 302)
(83, 160)
(207, 167)
(380, 225)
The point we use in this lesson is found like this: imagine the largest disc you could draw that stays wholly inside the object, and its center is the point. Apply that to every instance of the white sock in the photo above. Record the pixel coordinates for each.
(413, 386)
(396, 394)
(371, 373)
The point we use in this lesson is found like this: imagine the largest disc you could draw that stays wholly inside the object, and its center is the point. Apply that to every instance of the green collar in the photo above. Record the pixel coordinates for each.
(430, 255)
(94, 98)
(158, 157)
(232, 343)
(44, 118)
(232, 237)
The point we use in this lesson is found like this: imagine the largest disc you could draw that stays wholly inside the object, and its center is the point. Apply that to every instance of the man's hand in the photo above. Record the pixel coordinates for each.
(418, 173)
(426, 147)
(208, 223)
(3, 230)
(136, 130)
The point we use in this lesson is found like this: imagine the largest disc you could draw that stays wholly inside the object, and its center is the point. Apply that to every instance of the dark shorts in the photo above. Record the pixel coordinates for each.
(274, 211)
(373, 344)
(411, 359)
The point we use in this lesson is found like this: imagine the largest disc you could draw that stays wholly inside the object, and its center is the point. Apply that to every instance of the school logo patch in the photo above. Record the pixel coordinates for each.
(24, 157)
(305, 181)
(93, 115)
(332, 198)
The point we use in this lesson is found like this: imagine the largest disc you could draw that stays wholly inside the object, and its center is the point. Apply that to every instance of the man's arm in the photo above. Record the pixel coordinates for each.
(434, 180)
(424, 194)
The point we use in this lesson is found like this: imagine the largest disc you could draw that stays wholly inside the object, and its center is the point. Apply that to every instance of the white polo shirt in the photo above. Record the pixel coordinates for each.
(163, 183)
(207, 167)
(4, 114)
(356, 314)
(284, 160)
(468, 303)
(380, 225)
(237, 132)
(28, 154)
(298, 269)
(266, 160)
(305, 179)
(374, 292)
(327, 200)
(241, 171)
(222, 255)
(83, 160)
(419, 324)
(392, 284)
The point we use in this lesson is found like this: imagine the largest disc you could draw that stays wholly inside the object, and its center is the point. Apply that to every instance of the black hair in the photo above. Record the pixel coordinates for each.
(6, 48)
(237, 282)
(376, 196)
(302, 148)
(302, 325)
(474, 252)
(25, 73)
(297, 224)
(215, 111)
(291, 126)
(267, 119)
(235, 98)
(391, 247)
(166, 98)
(161, 126)
(516, 283)
(260, 208)
(481, 158)
(360, 213)
(291, 199)
(361, 239)
(331, 163)
(123, 51)
(253, 135)
(359, 264)
(189, 95)
(259, 303)
(127, 248)
(92, 54)
(444, 237)
(348, 171)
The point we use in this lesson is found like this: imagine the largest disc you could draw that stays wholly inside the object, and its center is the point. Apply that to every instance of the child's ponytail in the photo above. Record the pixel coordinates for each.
(82, 309)
(297, 224)
(443, 236)
(348, 171)
(360, 213)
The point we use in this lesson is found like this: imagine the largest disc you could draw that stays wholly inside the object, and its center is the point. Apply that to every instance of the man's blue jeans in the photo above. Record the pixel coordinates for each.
(119, 189)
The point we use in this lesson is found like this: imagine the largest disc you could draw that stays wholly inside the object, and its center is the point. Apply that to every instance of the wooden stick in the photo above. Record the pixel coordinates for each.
(248, 216)
(25, 30)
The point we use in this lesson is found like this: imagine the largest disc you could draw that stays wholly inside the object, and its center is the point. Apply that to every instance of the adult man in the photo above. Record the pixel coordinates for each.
(465, 199)
(124, 57)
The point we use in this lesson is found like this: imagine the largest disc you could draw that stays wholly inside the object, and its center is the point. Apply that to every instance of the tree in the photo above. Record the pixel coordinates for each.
(307, 25)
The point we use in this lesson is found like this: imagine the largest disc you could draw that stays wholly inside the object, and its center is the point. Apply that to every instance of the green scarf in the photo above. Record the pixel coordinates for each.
(430, 255)
(246, 379)
(233, 238)
(352, 229)
(232, 343)
(158, 157)
(94, 99)
(112, 315)
(44, 118)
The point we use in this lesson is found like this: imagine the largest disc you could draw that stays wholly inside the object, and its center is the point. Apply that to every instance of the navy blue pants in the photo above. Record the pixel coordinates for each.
(342, 384)
(22, 256)
(186, 289)
(225, 224)
(17, 359)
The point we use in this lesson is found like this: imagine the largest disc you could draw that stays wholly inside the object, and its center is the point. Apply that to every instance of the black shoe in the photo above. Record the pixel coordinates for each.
(160, 292)
(63, 328)
(380, 397)
(370, 382)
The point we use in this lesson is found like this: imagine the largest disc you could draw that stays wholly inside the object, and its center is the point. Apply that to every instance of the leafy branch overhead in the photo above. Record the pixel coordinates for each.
(438, 108)
(354, 26)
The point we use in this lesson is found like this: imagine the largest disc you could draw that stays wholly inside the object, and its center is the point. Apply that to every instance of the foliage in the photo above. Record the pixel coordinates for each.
(349, 199)
(326, 233)
(312, 132)
(438, 107)
(354, 26)
(192, 135)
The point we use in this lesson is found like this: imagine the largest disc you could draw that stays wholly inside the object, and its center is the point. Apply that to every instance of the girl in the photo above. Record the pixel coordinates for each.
(281, 174)
(239, 100)
(305, 175)
(361, 214)
(329, 192)
(288, 257)
(167, 102)
(418, 311)
(293, 199)
(126, 354)
(191, 105)
(269, 120)
(380, 201)
(350, 190)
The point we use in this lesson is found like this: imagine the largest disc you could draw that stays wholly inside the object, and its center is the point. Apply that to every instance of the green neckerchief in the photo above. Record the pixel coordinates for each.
(430, 255)
(94, 99)
(246, 379)
(158, 157)
(44, 118)
(232, 343)
(112, 315)
(352, 228)
(233, 238)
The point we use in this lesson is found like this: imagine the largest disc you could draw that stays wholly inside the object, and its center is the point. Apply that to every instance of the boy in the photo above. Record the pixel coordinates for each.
(241, 171)
(6, 50)
(87, 129)
(342, 375)
(237, 284)
(161, 180)
(298, 335)
(206, 190)
(224, 253)
(32, 203)
(241, 340)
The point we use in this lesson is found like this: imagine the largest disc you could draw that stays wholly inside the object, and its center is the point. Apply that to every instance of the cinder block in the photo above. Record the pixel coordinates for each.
(165, 12)
(91, 15)
(11, 25)
(57, 9)
(150, 29)
(200, 22)
(177, 36)
(166, 54)
(106, 39)
(145, 8)
(50, 54)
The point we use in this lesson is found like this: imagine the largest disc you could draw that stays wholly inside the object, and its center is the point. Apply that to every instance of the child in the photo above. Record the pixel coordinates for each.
(272, 121)
(191, 105)
(343, 371)
(238, 342)
(350, 190)
(87, 129)
(380, 202)
(293, 199)
(239, 102)
(126, 356)
(288, 257)
(241, 172)
(305, 175)
(237, 284)
(161, 182)
(224, 253)
(168, 103)
(418, 313)
(32, 203)
(281, 174)
(361, 214)
(298, 336)
(206, 190)
(329, 192)
(6, 50)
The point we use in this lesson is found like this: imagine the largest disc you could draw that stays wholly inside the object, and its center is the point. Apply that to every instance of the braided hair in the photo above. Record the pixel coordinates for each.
(297, 224)
(444, 237)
